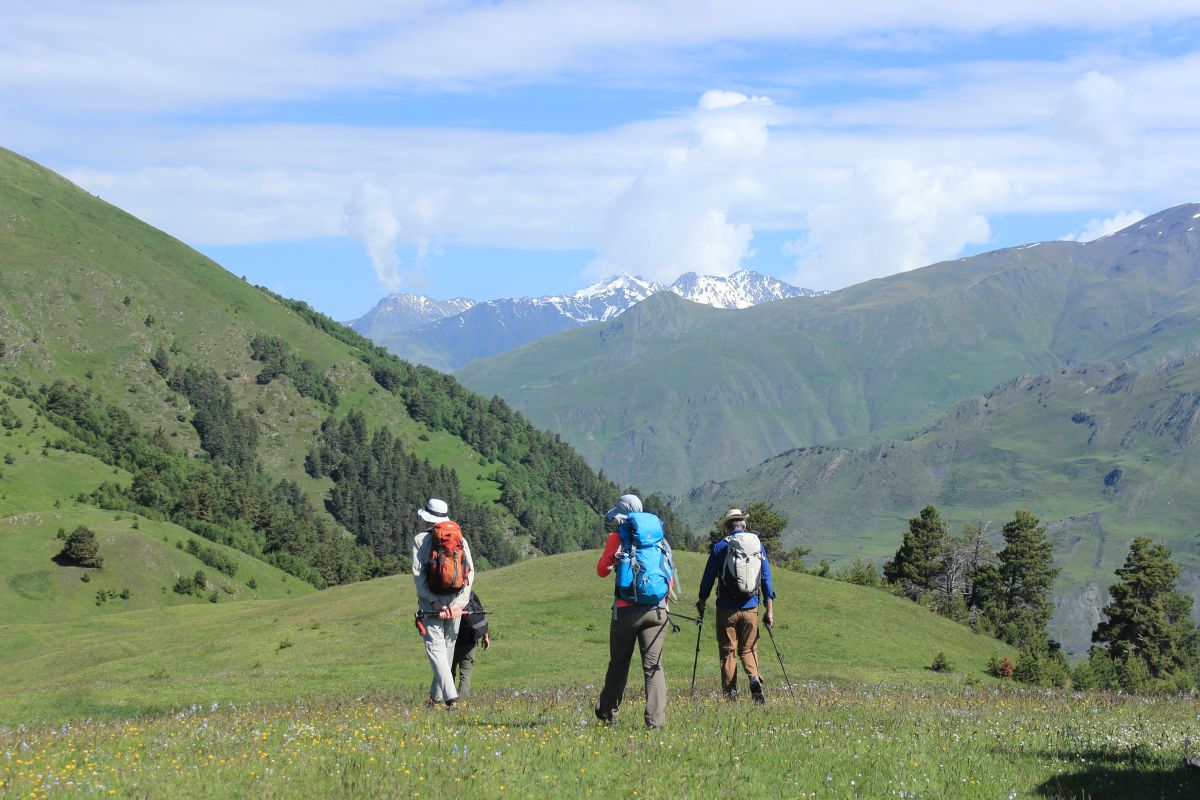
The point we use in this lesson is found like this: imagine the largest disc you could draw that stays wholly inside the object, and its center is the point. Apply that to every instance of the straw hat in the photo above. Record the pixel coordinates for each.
(732, 515)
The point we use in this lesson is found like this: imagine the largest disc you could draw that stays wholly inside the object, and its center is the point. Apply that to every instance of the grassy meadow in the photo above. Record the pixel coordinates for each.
(832, 741)
(550, 631)
(321, 696)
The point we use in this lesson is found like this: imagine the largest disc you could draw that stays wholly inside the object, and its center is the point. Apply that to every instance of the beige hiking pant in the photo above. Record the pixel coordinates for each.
(737, 638)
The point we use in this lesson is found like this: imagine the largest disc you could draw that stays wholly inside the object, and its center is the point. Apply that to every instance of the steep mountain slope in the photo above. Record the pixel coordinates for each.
(707, 394)
(249, 418)
(496, 326)
(1100, 453)
(350, 640)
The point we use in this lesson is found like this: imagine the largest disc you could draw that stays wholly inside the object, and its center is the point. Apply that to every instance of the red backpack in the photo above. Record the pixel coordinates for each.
(446, 570)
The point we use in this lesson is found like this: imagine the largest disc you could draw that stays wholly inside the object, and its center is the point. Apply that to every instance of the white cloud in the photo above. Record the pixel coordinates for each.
(1096, 111)
(715, 99)
(675, 216)
(892, 216)
(371, 219)
(919, 157)
(130, 55)
(384, 223)
(1096, 228)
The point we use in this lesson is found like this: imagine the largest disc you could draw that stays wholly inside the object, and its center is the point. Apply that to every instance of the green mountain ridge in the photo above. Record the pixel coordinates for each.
(1100, 453)
(249, 417)
(671, 394)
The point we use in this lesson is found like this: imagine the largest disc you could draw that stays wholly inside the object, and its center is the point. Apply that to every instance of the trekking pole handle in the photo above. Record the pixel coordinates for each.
(697, 620)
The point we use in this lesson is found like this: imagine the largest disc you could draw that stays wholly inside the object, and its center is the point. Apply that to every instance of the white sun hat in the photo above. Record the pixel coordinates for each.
(434, 511)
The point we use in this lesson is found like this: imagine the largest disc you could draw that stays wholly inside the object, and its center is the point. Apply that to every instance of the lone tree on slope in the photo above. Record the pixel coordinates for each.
(82, 548)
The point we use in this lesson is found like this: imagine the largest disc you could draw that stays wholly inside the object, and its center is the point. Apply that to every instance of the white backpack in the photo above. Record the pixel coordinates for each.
(742, 571)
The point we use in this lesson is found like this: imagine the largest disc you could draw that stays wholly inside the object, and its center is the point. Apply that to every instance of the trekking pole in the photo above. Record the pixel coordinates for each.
(422, 615)
(780, 657)
(699, 627)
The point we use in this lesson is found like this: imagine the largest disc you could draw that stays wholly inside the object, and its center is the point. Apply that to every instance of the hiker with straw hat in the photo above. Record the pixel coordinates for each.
(738, 565)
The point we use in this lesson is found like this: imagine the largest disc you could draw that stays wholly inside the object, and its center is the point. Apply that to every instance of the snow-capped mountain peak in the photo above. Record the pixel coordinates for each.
(742, 289)
(401, 312)
(493, 326)
(620, 283)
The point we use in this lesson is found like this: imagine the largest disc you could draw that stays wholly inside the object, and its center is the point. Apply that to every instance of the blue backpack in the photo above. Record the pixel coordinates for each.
(644, 568)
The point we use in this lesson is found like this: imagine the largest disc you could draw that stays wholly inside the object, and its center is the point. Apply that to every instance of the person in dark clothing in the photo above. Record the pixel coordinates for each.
(737, 611)
(472, 631)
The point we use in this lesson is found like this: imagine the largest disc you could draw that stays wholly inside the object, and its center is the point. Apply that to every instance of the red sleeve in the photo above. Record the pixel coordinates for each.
(608, 558)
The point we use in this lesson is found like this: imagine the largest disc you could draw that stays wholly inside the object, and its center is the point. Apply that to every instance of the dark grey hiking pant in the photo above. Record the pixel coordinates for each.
(462, 666)
(646, 628)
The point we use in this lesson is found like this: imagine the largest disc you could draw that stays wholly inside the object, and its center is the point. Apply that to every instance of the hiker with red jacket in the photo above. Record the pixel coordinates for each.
(738, 565)
(638, 555)
(443, 573)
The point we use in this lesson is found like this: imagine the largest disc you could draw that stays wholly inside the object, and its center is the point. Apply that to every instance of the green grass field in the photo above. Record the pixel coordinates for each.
(321, 696)
(551, 630)
(832, 741)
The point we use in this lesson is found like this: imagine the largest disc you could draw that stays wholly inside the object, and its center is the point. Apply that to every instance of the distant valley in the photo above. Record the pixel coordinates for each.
(712, 392)
(1100, 453)
(1059, 377)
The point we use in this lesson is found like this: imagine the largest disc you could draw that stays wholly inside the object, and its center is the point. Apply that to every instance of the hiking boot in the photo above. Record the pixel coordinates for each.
(605, 717)
(756, 690)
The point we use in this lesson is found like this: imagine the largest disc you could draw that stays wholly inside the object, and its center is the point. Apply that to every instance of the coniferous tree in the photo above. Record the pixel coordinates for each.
(82, 548)
(161, 362)
(917, 565)
(1148, 618)
(1014, 596)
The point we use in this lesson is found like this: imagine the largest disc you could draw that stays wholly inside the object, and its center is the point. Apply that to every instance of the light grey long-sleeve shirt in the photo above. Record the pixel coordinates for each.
(427, 599)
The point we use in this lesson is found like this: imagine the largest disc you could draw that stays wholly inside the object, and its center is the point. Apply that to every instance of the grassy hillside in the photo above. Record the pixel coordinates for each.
(1100, 454)
(671, 394)
(142, 557)
(127, 318)
(550, 630)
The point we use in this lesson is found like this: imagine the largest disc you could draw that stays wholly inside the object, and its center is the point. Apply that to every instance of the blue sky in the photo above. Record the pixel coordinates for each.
(337, 152)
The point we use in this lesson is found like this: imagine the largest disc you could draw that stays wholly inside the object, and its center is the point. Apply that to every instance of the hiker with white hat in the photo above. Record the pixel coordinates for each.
(738, 565)
(443, 573)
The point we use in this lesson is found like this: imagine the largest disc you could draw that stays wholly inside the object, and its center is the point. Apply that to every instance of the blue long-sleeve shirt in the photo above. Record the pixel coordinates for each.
(716, 559)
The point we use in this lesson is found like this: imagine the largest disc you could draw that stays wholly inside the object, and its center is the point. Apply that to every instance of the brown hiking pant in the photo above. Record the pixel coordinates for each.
(737, 637)
(647, 628)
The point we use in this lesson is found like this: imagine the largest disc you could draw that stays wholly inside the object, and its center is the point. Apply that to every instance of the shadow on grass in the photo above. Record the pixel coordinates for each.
(1113, 781)
(1129, 773)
